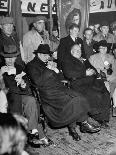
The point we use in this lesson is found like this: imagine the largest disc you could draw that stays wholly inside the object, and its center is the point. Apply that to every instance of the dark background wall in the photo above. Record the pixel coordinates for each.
(99, 17)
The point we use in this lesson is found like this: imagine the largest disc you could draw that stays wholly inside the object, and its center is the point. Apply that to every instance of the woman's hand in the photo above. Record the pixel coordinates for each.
(90, 72)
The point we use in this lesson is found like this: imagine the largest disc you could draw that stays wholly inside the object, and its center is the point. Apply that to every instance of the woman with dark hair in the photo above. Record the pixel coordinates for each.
(82, 77)
(106, 63)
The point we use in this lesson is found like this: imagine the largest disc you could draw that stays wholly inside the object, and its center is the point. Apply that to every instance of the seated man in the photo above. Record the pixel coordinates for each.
(82, 77)
(20, 99)
(62, 106)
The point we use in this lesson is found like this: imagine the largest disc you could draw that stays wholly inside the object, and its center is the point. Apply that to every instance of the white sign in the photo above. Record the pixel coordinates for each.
(102, 5)
(37, 6)
(4, 5)
(41, 6)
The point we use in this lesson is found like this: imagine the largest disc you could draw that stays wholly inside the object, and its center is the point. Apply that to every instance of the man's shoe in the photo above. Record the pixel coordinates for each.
(90, 128)
(74, 134)
(46, 142)
(32, 140)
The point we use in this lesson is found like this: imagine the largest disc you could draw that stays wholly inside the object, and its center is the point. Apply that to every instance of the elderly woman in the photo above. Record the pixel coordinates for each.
(82, 79)
(106, 63)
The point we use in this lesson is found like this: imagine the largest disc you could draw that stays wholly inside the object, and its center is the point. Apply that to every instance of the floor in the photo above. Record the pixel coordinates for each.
(101, 143)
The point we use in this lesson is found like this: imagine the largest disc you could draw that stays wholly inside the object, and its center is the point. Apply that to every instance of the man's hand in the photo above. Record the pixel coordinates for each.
(90, 72)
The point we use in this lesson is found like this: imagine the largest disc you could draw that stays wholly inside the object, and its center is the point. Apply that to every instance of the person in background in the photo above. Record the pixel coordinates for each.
(67, 42)
(88, 42)
(106, 63)
(36, 36)
(91, 26)
(96, 28)
(8, 36)
(104, 34)
(113, 46)
(73, 17)
(54, 39)
(20, 98)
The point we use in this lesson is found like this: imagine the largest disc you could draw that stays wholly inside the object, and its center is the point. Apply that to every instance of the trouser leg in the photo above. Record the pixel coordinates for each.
(32, 112)
(14, 103)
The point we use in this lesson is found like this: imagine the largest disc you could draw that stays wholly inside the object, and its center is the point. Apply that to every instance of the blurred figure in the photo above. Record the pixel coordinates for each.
(73, 17)
(12, 136)
(96, 28)
(54, 40)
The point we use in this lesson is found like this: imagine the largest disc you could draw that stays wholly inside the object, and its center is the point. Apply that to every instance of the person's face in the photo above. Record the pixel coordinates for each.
(55, 33)
(5, 142)
(91, 27)
(40, 25)
(74, 32)
(43, 57)
(88, 34)
(103, 50)
(10, 61)
(76, 19)
(96, 28)
(7, 29)
(76, 51)
(105, 30)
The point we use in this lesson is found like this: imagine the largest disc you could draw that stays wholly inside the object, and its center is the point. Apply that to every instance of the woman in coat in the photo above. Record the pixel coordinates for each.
(82, 79)
(61, 105)
(106, 63)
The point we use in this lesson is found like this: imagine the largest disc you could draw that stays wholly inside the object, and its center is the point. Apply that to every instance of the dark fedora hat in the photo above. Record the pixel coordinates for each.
(43, 48)
(9, 51)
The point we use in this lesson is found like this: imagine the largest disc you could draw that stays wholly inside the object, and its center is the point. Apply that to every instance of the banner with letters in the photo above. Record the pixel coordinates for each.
(30, 6)
(102, 5)
(41, 6)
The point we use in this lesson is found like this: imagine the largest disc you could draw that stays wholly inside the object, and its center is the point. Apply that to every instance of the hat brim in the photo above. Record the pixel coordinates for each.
(36, 51)
(9, 55)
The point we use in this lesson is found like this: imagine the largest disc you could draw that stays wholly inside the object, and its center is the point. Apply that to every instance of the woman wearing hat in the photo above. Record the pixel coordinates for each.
(106, 63)
(20, 98)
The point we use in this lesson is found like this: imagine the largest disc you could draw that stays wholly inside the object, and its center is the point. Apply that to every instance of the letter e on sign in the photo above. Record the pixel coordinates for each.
(4, 5)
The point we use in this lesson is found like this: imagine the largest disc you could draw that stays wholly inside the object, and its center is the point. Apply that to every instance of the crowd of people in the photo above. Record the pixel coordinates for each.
(87, 65)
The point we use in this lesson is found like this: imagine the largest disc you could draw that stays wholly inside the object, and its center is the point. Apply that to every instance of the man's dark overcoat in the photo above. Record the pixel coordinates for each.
(61, 105)
(89, 86)
(65, 47)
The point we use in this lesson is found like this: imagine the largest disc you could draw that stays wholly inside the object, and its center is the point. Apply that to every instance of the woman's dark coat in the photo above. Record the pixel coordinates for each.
(15, 92)
(61, 105)
(94, 89)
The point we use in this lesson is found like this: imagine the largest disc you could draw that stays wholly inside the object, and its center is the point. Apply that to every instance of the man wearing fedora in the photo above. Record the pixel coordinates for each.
(32, 39)
(8, 36)
(20, 98)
